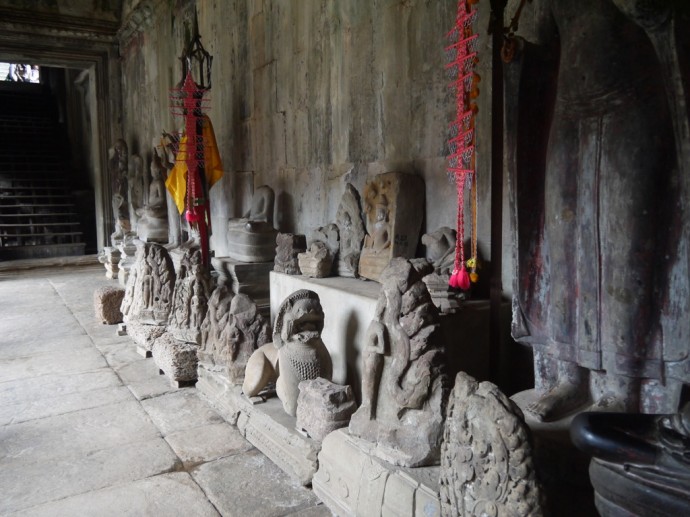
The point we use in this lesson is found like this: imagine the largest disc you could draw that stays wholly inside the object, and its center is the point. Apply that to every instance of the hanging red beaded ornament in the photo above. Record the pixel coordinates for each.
(462, 55)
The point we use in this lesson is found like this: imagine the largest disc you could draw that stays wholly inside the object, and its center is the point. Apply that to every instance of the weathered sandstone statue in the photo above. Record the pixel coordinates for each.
(289, 246)
(192, 291)
(440, 248)
(394, 207)
(232, 330)
(297, 353)
(149, 293)
(323, 407)
(252, 238)
(403, 382)
(136, 184)
(601, 288)
(317, 261)
(352, 232)
(486, 459)
(118, 168)
(152, 225)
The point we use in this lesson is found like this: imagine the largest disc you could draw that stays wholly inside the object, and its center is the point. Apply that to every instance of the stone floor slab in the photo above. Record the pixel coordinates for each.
(143, 379)
(166, 494)
(16, 349)
(80, 432)
(207, 443)
(250, 485)
(179, 410)
(68, 361)
(28, 484)
(61, 404)
(52, 385)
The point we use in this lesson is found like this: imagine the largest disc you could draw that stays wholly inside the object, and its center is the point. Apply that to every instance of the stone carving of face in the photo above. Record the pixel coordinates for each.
(304, 322)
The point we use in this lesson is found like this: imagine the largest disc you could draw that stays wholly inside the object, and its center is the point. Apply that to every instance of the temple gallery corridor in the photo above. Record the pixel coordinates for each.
(89, 427)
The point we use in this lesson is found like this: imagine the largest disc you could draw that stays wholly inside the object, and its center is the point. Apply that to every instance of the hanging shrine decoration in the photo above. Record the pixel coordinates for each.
(462, 57)
(198, 164)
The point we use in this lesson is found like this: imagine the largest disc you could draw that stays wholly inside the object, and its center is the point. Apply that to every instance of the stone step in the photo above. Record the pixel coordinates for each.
(41, 251)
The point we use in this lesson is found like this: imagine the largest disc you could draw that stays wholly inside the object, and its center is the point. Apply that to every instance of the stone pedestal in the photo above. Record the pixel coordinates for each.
(176, 359)
(144, 336)
(110, 258)
(265, 425)
(128, 252)
(250, 278)
(352, 482)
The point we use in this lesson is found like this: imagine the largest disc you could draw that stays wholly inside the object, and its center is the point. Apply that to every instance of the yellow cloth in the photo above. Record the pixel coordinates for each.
(177, 180)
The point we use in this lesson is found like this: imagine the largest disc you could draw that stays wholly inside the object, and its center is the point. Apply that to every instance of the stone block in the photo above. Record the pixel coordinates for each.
(144, 335)
(289, 246)
(106, 304)
(351, 481)
(220, 392)
(176, 359)
(323, 407)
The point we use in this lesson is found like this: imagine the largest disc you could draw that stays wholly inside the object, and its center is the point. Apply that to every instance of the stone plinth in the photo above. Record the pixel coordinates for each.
(216, 387)
(353, 482)
(144, 335)
(110, 257)
(106, 304)
(176, 359)
(250, 278)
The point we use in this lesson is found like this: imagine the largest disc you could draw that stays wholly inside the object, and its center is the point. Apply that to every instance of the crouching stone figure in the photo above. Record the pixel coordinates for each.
(296, 354)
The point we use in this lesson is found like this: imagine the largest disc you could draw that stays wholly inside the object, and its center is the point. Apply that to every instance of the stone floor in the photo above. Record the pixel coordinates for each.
(88, 427)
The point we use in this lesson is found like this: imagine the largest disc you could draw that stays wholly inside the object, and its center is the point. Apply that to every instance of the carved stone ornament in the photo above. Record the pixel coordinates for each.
(394, 207)
(352, 232)
(192, 291)
(118, 168)
(289, 246)
(440, 250)
(323, 407)
(252, 238)
(317, 261)
(486, 461)
(404, 386)
(297, 353)
(149, 292)
(232, 330)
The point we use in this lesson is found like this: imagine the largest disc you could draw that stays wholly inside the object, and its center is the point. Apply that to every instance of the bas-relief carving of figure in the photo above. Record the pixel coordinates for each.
(149, 292)
(296, 354)
(252, 237)
(232, 330)
(352, 233)
(153, 217)
(403, 383)
(192, 291)
(118, 167)
(393, 204)
(602, 281)
(486, 462)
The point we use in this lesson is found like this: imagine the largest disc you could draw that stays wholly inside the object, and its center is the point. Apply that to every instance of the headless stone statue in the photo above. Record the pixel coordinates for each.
(602, 289)
(137, 188)
(352, 232)
(403, 379)
(118, 168)
(252, 237)
(440, 249)
(296, 354)
(153, 217)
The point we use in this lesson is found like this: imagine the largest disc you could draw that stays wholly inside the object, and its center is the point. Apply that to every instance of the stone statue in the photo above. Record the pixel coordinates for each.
(486, 457)
(165, 148)
(118, 168)
(252, 237)
(601, 288)
(153, 217)
(404, 386)
(324, 245)
(440, 249)
(296, 354)
(288, 247)
(135, 181)
(192, 291)
(641, 463)
(232, 330)
(351, 227)
(149, 292)
(394, 205)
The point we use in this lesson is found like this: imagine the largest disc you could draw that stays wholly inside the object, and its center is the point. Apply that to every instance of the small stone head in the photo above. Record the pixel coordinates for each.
(300, 318)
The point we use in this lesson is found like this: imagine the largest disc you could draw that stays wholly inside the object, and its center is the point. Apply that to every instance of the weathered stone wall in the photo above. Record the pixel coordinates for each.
(308, 95)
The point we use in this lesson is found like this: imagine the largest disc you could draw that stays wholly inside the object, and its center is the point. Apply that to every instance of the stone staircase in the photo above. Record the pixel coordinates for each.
(38, 214)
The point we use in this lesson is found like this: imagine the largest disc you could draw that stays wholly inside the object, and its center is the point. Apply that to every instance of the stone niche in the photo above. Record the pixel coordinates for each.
(394, 208)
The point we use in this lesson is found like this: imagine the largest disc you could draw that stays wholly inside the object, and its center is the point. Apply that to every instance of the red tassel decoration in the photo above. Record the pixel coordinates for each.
(460, 279)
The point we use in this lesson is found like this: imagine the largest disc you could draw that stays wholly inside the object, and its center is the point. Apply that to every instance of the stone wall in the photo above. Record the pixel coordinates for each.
(309, 95)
